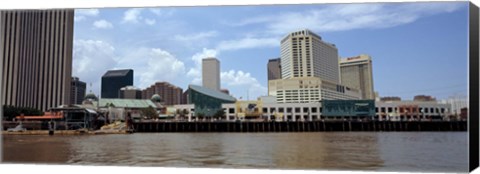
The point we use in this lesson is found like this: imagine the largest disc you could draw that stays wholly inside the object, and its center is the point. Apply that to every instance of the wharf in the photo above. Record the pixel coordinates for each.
(305, 126)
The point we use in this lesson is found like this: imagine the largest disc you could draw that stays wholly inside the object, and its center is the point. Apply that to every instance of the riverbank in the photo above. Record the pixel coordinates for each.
(66, 132)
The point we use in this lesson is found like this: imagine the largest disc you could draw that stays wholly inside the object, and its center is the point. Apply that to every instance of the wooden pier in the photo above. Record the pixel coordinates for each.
(310, 126)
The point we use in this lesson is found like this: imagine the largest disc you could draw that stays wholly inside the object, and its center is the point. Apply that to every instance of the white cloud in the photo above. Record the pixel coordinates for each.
(151, 65)
(150, 21)
(91, 59)
(196, 71)
(248, 42)
(162, 12)
(132, 15)
(243, 80)
(102, 24)
(196, 37)
(81, 14)
(161, 66)
(87, 12)
(349, 16)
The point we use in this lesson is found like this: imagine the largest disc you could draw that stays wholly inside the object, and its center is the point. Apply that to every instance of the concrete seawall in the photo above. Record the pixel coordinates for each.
(312, 126)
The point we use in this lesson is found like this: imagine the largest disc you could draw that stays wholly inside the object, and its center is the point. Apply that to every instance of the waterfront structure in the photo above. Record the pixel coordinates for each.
(36, 57)
(113, 80)
(412, 110)
(457, 103)
(118, 109)
(349, 108)
(392, 111)
(130, 92)
(171, 94)
(274, 69)
(309, 89)
(207, 102)
(78, 90)
(356, 72)
(211, 73)
(304, 54)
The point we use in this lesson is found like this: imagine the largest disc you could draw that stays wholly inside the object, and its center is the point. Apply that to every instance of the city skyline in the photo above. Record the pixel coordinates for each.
(163, 44)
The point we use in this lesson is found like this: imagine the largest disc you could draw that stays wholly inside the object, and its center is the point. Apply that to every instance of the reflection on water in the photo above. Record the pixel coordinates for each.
(410, 151)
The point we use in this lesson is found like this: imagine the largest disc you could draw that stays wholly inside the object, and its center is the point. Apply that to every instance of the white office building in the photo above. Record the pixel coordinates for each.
(211, 73)
(356, 72)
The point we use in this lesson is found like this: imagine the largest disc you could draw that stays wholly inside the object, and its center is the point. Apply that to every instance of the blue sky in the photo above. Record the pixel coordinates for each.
(416, 48)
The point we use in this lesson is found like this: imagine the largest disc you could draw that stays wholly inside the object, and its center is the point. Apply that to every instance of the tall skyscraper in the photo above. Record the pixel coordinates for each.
(113, 80)
(305, 54)
(36, 57)
(78, 90)
(356, 72)
(274, 69)
(211, 73)
(170, 94)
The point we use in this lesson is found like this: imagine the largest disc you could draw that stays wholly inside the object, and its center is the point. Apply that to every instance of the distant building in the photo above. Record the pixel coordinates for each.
(424, 98)
(211, 73)
(130, 92)
(356, 72)
(185, 98)
(304, 54)
(390, 98)
(225, 91)
(457, 103)
(170, 94)
(113, 80)
(274, 69)
(36, 58)
(78, 90)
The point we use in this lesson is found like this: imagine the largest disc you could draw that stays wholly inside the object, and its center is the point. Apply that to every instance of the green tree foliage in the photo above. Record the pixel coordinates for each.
(10, 112)
(219, 113)
(150, 112)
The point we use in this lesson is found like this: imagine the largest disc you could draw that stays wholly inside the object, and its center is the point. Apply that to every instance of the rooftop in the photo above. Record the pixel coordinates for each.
(213, 93)
(127, 103)
(116, 73)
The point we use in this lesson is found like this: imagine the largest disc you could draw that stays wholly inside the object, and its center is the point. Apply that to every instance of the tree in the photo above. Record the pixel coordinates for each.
(10, 112)
(149, 112)
(219, 113)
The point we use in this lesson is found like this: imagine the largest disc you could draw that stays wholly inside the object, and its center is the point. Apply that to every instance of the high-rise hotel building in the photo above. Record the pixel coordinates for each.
(356, 72)
(36, 57)
(305, 54)
(310, 71)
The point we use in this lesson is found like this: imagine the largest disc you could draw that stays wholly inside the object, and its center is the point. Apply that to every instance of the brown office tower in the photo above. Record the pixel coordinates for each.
(36, 57)
(169, 94)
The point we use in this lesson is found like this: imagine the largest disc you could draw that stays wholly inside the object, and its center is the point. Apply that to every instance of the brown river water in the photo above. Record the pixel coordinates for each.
(377, 151)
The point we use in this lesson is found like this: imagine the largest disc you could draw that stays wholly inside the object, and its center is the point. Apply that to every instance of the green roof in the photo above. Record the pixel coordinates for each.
(127, 103)
(212, 93)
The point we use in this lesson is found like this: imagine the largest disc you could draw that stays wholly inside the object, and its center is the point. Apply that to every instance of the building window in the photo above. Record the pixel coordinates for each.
(231, 110)
(297, 110)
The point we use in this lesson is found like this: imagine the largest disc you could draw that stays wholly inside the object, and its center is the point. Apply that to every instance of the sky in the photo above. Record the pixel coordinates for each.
(416, 48)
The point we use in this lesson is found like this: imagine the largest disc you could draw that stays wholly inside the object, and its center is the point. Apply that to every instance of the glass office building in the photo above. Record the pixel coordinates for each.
(207, 101)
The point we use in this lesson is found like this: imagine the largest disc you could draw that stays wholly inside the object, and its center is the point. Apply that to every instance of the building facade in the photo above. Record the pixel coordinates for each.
(170, 94)
(356, 72)
(78, 91)
(113, 80)
(309, 89)
(36, 57)
(207, 102)
(130, 92)
(274, 69)
(211, 73)
(305, 54)
(400, 111)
